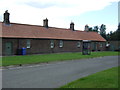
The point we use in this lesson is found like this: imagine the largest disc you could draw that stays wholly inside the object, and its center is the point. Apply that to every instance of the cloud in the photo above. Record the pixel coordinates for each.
(40, 5)
(57, 11)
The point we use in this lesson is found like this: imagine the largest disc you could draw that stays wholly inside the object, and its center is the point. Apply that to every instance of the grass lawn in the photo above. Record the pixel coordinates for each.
(104, 79)
(30, 59)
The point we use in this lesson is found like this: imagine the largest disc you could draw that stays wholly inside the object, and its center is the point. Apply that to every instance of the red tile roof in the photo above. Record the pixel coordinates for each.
(33, 31)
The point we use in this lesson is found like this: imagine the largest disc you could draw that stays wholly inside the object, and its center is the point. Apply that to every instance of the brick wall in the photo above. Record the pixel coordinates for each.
(114, 45)
(39, 46)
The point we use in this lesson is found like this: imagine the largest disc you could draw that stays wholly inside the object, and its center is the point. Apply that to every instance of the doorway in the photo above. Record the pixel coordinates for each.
(8, 48)
(86, 47)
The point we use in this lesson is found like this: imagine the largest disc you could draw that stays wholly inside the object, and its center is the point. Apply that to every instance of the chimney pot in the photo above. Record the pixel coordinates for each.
(86, 28)
(6, 17)
(45, 23)
(72, 26)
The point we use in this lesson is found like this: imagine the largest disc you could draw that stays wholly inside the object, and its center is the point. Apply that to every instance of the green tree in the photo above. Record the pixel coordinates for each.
(103, 31)
(114, 36)
(108, 37)
(96, 29)
(90, 29)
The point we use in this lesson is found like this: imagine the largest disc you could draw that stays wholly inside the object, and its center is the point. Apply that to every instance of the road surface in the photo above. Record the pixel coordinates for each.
(56, 74)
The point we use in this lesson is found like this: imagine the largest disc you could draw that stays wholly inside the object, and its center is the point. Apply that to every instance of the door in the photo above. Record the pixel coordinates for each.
(86, 48)
(95, 46)
(8, 48)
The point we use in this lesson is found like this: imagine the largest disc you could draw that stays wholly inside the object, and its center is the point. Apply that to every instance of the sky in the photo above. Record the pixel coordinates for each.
(119, 12)
(60, 13)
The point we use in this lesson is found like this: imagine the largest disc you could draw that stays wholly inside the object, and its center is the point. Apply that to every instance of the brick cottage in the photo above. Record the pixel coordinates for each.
(44, 39)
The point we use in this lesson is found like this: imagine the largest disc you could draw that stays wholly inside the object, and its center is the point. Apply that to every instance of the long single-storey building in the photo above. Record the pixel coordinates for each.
(44, 39)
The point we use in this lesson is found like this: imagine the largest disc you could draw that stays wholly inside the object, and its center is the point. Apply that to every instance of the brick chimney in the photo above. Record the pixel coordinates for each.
(86, 28)
(72, 26)
(6, 17)
(45, 23)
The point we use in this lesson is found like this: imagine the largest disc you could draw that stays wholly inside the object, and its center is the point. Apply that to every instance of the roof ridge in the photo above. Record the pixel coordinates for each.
(42, 26)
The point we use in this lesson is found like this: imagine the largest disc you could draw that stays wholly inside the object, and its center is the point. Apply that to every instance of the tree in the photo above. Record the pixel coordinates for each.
(108, 37)
(114, 36)
(103, 31)
(96, 29)
(90, 29)
(93, 29)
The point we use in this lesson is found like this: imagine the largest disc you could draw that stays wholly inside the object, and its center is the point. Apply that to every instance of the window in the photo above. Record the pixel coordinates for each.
(28, 43)
(96, 45)
(101, 45)
(51, 43)
(108, 44)
(61, 43)
(78, 44)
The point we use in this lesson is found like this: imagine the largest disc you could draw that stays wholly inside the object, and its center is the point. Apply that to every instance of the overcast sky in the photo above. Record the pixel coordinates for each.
(61, 12)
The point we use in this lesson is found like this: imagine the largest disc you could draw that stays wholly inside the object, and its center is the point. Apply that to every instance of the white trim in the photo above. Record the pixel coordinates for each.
(86, 40)
(61, 43)
(51, 43)
(28, 44)
(78, 44)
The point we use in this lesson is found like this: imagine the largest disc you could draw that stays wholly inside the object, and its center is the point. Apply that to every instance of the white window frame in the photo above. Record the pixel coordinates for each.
(78, 44)
(28, 43)
(61, 43)
(51, 43)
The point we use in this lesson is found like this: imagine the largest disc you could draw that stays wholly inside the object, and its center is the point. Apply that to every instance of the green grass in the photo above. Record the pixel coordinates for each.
(104, 79)
(30, 59)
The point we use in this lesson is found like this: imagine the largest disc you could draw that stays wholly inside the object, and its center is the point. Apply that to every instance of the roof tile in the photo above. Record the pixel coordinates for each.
(34, 31)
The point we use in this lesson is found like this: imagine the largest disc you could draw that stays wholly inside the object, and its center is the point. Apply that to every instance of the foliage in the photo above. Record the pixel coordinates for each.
(90, 29)
(113, 36)
(96, 29)
(103, 31)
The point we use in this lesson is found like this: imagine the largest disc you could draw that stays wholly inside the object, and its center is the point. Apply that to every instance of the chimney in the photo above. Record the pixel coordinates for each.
(45, 23)
(86, 28)
(72, 26)
(6, 17)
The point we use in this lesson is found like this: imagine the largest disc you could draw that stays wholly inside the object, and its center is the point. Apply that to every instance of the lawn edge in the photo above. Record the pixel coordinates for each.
(49, 62)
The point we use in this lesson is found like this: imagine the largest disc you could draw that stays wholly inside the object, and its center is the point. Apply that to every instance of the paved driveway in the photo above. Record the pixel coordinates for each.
(55, 74)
